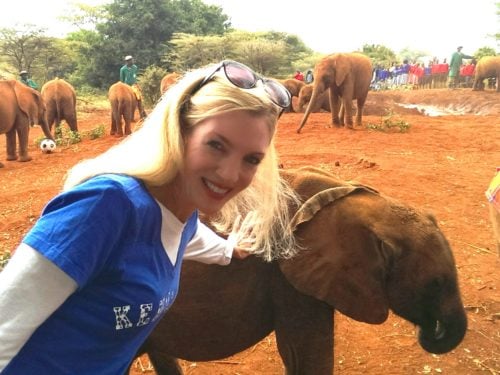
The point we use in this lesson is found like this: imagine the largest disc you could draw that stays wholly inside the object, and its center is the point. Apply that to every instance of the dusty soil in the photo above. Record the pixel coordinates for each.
(442, 163)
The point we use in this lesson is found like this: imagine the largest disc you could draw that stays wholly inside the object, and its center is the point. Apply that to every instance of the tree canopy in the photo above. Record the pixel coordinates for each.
(161, 35)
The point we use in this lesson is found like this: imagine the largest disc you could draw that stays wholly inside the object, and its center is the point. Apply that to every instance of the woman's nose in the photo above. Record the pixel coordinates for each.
(229, 171)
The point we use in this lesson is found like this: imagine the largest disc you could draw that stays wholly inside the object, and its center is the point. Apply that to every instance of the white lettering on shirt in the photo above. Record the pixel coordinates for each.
(122, 320)
(144, 317)
(121, 312)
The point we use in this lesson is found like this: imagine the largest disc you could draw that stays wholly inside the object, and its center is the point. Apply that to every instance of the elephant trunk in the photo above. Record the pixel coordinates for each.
(45, 128)
(314, 96)
(441, 336)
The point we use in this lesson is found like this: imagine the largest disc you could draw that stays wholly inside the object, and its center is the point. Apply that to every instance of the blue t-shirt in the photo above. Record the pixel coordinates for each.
(106, 234)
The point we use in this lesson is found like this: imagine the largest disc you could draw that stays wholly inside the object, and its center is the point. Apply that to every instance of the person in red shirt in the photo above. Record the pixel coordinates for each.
(299, 76)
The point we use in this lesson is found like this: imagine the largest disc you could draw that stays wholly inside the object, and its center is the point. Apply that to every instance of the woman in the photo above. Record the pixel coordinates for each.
(101, 266)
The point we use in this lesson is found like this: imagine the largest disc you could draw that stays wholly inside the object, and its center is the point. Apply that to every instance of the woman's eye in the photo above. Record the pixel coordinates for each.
(253, 160)
(215, 145)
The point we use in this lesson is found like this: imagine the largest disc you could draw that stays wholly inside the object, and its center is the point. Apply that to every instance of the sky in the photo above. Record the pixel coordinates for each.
(436, 27)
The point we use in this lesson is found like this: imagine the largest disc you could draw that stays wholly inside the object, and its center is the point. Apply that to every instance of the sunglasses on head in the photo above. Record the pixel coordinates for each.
(245, 78)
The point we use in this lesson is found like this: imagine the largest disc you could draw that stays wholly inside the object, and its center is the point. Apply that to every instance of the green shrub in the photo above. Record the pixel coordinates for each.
(390, 123)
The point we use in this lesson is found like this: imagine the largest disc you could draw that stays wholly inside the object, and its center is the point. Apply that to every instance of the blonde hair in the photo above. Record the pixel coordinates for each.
(154, 153)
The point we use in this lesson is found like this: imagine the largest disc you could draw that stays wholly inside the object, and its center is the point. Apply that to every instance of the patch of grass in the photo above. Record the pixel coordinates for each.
(390, 123)
(4, 258)
(66, 137)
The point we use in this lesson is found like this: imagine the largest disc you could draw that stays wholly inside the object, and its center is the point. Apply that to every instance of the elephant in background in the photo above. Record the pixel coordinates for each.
(20, 108)
(168, 80)
(60, 99)
(362, 253)
(322, 102)
(347, 76)
(123, 104)
(487, 67)
(293, 86)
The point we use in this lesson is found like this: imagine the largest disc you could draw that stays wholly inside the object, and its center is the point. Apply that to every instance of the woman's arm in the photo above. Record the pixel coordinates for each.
(208, 247)
(31, 289)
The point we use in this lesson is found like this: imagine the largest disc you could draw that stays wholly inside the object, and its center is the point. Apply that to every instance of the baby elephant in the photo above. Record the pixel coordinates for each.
(362, 253)
(60, 99)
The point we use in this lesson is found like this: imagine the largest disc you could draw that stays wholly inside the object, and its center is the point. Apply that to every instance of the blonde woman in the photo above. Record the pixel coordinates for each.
(101, 266)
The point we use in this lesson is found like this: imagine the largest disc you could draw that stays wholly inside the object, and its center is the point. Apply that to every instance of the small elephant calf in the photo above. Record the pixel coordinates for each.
(362, 253)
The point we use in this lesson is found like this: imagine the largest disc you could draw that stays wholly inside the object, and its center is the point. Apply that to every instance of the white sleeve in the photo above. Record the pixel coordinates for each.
(31, 289)
(207, 247)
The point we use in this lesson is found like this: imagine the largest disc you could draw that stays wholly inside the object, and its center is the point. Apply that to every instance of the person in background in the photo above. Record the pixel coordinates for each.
(101, 266)
(309, 76)
(128, 75)
(26, 80)
(299, 76)
(454, 67)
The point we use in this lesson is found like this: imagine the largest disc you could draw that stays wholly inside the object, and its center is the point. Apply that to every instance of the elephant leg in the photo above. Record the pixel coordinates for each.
(142, 112)
(335, 107)
(119, 127)
(304, 331)
(71, 120)
(359, 111)
(347, 105)
(113, 124)
(164, 364)
(23, 135)
(116, 124)
(128, 130)
(11, 144)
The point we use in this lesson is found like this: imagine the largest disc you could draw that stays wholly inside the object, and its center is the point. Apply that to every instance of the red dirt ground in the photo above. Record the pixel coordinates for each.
(443, 164)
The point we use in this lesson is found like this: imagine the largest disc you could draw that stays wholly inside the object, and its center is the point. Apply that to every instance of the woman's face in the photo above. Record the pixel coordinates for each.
(222, 154)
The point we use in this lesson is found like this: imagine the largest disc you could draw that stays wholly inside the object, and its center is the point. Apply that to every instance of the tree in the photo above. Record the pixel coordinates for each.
(143, 28)
(269, 53)
(380, 55)
(21, 46)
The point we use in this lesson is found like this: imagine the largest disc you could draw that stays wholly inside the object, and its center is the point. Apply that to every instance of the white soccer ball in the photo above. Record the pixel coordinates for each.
(47, 146)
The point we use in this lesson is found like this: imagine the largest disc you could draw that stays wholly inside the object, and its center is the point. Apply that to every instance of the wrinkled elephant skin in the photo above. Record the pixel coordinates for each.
(362, 254)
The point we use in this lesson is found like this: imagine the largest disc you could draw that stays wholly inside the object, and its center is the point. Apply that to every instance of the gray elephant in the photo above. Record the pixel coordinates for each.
(487, 67)
(20, 108)
(362, 254)
(60, 100)
(347, 76)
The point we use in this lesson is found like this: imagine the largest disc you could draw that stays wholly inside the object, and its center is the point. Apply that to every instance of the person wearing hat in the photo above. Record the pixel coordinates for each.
(455, 64)
(27, 81)
(128, 75)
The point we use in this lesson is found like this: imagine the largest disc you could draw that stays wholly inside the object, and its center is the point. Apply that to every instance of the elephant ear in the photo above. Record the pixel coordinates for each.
(342, 69)
(27, 100)
(342, 262)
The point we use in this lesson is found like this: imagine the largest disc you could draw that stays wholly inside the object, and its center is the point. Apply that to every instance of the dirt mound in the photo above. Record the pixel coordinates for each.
(433, 102)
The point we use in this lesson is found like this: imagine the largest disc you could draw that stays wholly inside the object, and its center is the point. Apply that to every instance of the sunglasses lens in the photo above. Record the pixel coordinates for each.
(278, 93)
(240, 75)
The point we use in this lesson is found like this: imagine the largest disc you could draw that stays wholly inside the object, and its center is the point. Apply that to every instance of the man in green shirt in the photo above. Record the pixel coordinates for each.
(27, 81)
(128, 75)
(455, 64)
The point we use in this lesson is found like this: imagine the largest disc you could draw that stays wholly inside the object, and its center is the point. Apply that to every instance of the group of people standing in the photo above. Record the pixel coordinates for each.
(434, 75)
(308, 78)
